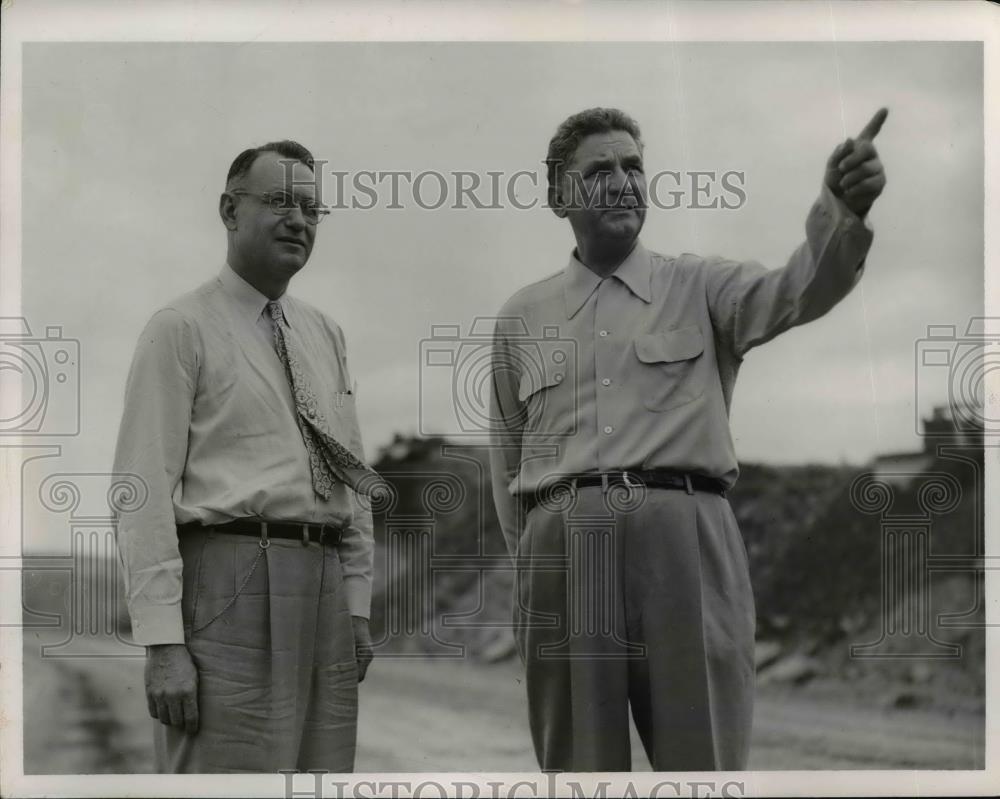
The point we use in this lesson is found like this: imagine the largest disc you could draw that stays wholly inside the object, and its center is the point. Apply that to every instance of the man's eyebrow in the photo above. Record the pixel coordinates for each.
(601, 162)
(293, 193)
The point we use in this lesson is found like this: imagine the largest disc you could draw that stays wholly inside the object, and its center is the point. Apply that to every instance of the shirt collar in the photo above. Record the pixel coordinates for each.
(580, 282)
(248, 298)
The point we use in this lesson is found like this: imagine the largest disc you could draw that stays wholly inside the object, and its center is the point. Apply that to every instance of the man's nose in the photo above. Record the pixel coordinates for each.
(617, 178)
(295, 219)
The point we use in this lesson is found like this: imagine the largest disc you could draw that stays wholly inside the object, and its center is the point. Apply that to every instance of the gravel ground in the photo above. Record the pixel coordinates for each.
(88, 715)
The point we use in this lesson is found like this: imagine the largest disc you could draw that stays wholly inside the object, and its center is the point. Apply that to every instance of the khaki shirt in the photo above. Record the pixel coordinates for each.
(209, 425)
(636, 370)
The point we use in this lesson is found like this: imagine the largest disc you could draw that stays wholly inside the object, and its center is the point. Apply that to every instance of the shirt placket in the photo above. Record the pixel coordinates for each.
(607, 336)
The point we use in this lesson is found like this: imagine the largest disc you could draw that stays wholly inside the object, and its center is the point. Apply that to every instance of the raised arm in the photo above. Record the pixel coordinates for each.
(750, 305)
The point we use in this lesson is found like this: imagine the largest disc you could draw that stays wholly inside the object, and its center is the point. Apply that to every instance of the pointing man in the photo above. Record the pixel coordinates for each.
(248, 569)
(611, 462)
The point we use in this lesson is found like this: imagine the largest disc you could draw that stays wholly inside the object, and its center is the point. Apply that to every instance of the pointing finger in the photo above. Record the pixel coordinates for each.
(874, 125)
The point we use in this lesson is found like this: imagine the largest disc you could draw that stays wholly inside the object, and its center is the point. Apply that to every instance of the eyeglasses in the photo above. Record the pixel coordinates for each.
(281, 204)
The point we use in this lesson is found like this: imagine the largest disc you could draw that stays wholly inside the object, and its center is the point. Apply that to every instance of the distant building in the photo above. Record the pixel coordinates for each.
(953, 425)
(946, 426)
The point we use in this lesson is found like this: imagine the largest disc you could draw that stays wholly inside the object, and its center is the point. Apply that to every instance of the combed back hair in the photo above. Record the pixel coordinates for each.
(285, 148)
(575, 129)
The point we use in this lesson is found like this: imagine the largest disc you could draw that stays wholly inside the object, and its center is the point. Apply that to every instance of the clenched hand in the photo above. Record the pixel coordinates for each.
(362, 645)
(854, 172)
(172, 686)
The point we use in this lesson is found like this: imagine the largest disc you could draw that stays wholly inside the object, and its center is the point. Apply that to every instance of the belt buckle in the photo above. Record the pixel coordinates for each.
(305, 534)
(687, 484)
(264, 542)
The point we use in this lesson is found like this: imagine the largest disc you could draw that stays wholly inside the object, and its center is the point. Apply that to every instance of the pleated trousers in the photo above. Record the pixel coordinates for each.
(636, 599)
(277, 675)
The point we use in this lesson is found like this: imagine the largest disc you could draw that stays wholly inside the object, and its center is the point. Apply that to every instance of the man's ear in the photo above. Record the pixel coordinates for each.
(556, 202)
(227, 210)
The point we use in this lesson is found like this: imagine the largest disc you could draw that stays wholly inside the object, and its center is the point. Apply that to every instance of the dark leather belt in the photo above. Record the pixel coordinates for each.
(296, 531)
(637, 479)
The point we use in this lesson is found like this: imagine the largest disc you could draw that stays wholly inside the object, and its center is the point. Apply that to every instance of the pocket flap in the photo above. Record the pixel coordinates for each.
(534, 380)
(674, 345)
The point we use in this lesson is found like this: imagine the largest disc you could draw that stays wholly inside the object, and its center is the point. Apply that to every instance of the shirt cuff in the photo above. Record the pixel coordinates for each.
(157, 624)
(853, 231)
(843, 217)
(358, 590)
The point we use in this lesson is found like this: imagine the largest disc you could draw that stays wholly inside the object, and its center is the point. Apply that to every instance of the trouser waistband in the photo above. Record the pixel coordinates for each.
(633, 479)
(305, 532)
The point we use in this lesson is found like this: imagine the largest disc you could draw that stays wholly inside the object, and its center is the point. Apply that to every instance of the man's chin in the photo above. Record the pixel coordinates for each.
(622, 225)
(290, 264)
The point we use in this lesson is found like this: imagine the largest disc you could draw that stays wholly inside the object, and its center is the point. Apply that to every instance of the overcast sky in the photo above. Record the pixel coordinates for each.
(126, 146)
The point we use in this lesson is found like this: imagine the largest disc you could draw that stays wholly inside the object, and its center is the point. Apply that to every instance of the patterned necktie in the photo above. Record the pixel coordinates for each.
(329, 460)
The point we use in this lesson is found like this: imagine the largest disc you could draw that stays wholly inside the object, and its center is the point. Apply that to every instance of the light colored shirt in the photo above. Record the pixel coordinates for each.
(636, 370)
(209, 425)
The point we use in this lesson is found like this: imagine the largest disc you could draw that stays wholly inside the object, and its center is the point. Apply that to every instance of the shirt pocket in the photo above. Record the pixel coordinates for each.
(546, 395)
(342, 413)
(667, 374)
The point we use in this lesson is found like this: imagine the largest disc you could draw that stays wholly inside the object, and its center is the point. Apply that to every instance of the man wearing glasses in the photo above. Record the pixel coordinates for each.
(248, 568)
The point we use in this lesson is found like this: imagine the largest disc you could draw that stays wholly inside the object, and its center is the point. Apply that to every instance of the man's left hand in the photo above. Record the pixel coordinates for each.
(362, 645)
(854, 172)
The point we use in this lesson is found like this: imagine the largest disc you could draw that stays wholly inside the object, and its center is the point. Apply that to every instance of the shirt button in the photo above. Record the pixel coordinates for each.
(609, 429)
(558, 377)
(603, 334)
(606, 382)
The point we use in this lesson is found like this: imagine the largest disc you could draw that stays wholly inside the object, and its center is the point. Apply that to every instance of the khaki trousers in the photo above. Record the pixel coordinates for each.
(641, 600)
(277, 675)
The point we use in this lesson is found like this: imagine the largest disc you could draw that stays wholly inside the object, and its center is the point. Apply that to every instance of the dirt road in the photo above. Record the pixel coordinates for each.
(448, 716)
(88, 715)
